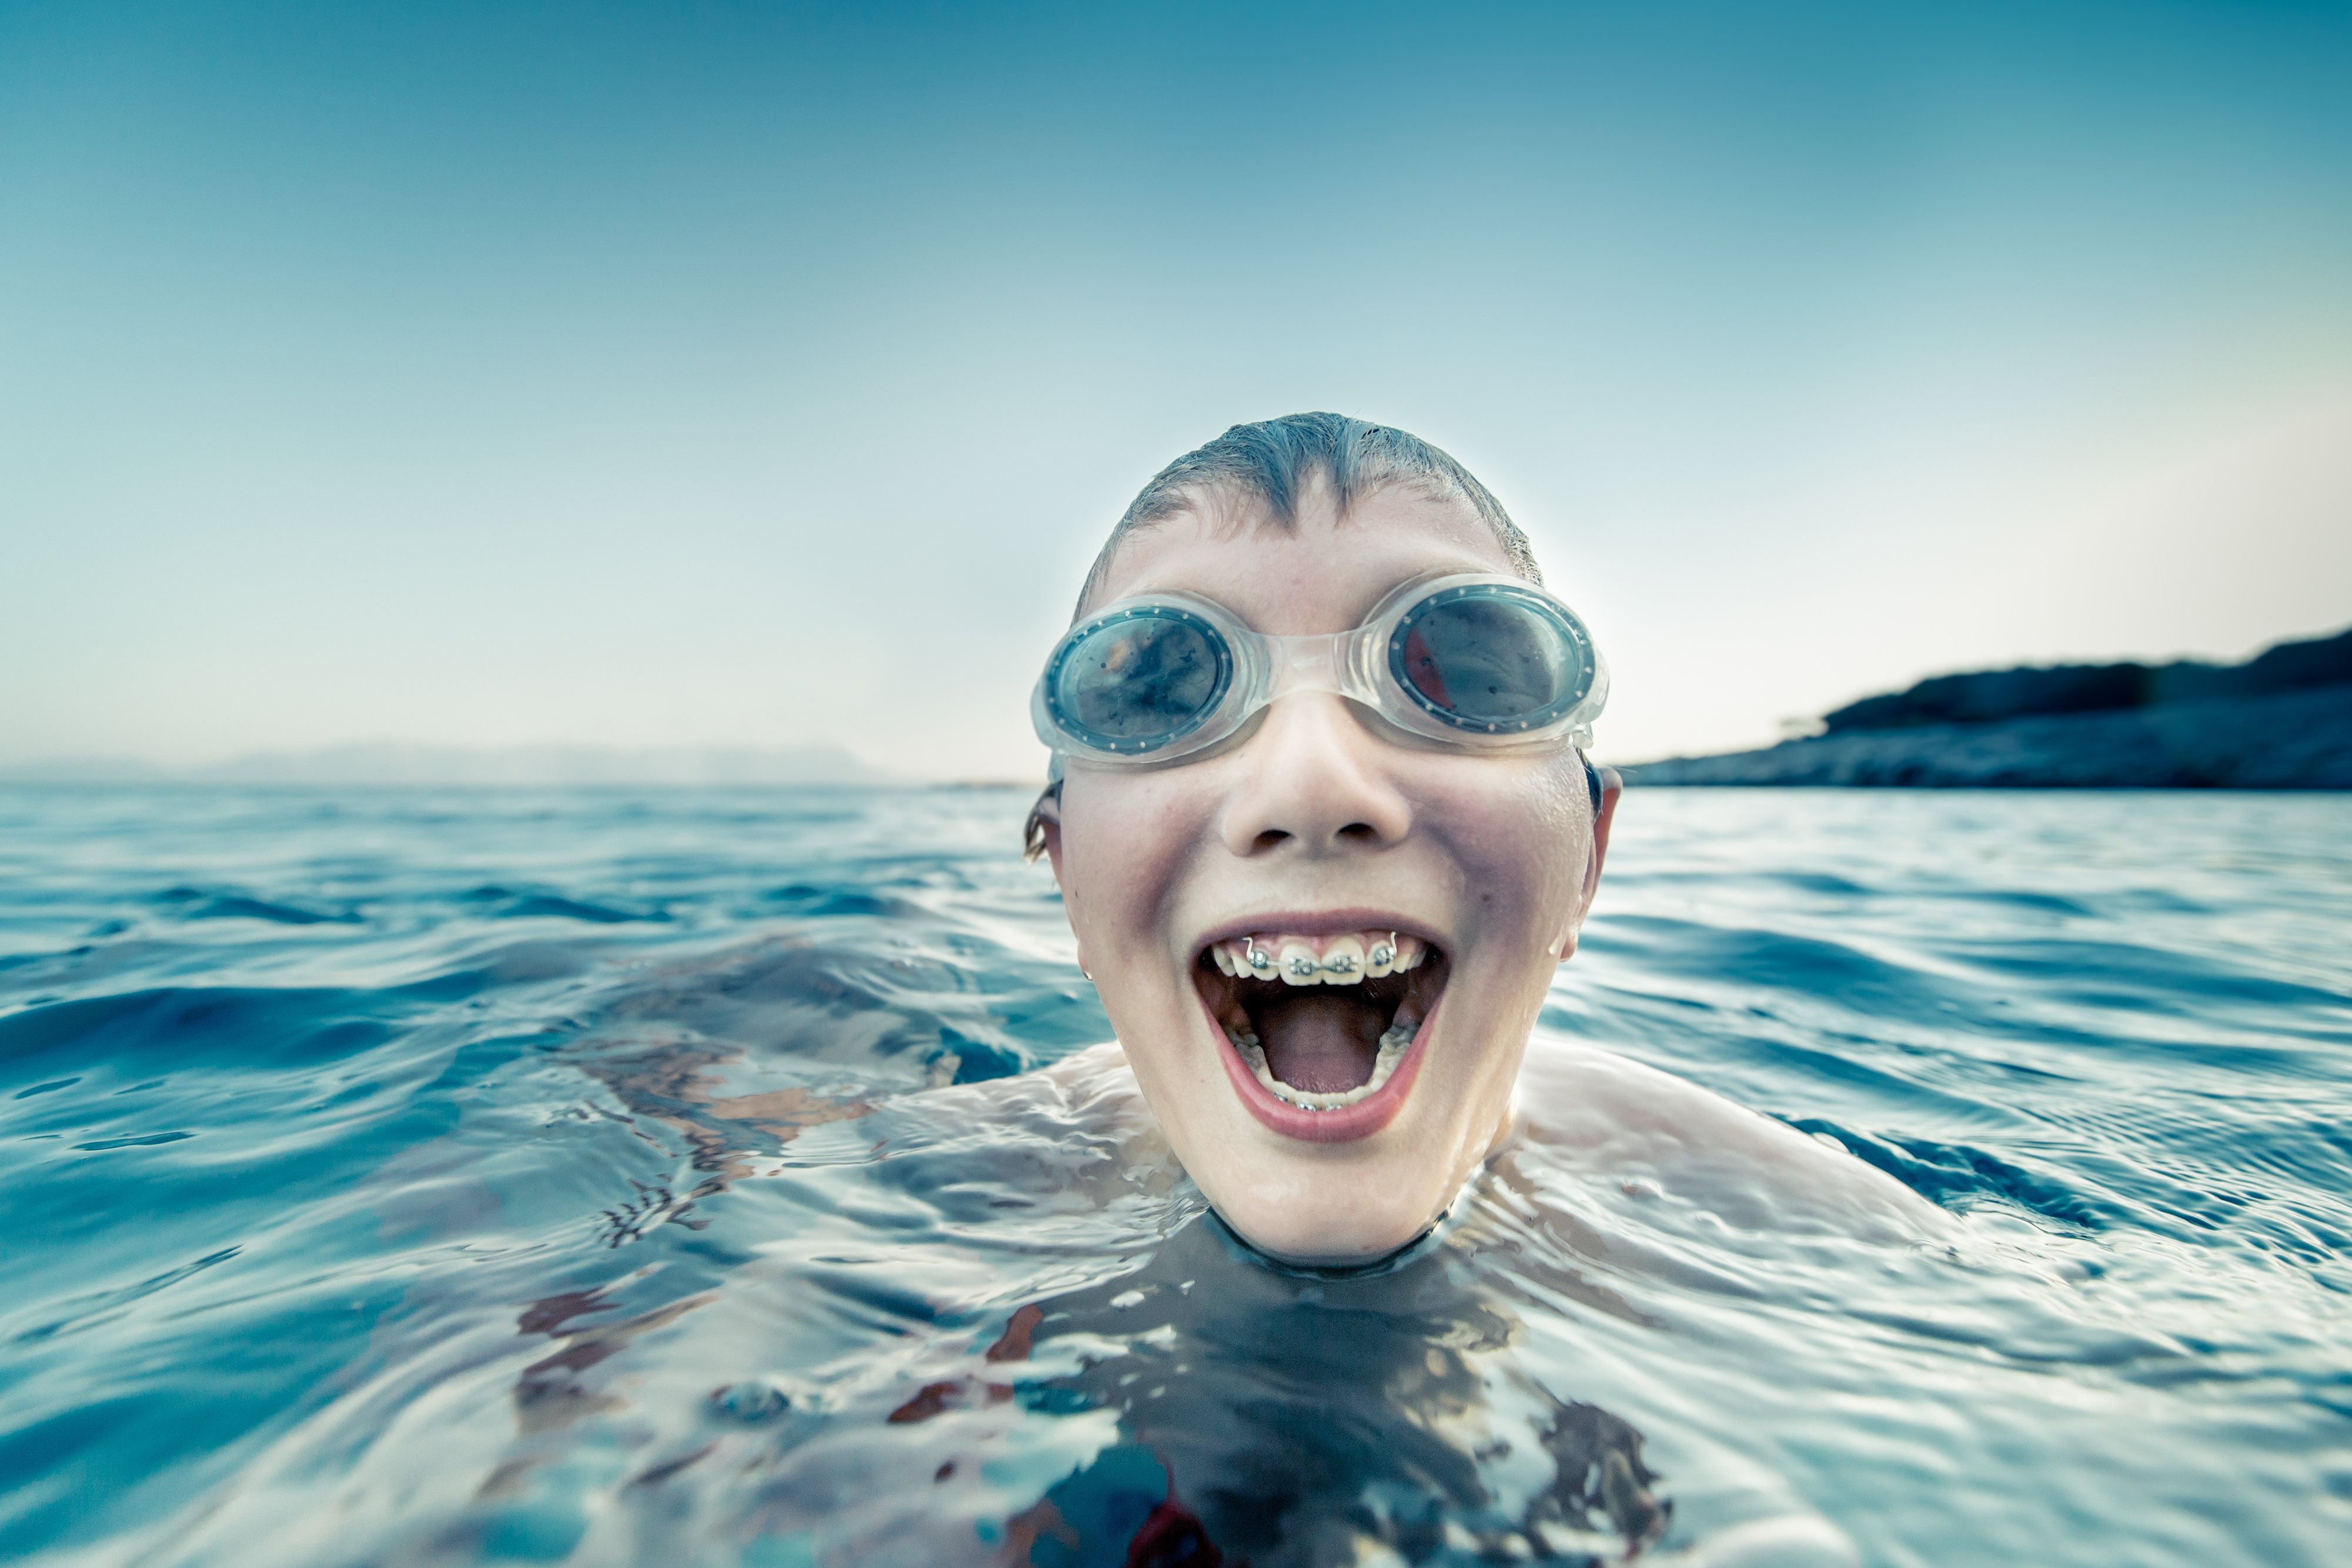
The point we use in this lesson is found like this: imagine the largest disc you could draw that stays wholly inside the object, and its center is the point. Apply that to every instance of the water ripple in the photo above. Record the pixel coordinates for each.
(448, 1177)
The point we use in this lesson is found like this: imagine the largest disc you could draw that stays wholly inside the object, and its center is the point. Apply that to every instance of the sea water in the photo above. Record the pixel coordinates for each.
(416, 1177)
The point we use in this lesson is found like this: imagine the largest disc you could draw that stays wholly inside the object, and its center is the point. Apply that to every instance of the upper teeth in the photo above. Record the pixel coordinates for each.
(1341, 960)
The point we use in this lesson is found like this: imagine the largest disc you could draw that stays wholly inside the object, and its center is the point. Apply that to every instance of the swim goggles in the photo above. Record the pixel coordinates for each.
(1485, 663)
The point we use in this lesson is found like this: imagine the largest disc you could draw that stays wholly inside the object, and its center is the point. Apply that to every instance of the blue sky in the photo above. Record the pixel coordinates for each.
(748, 375)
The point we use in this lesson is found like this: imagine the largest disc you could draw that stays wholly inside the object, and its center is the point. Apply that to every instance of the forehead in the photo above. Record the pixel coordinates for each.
(1323, 573)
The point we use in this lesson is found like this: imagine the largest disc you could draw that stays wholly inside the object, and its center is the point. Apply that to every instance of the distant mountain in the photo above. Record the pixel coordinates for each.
(2280, 721)
(390, 762)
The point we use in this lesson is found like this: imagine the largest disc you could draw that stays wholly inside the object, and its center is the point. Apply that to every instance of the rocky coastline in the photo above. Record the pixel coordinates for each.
(2281, 721)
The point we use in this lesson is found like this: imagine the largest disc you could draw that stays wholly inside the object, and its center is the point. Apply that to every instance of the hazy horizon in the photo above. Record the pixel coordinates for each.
(391, 760)
(403, 762)
(749, 380)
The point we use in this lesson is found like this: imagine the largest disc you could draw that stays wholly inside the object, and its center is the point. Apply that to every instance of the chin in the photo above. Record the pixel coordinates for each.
(1317, 1240)
(1347, 1102)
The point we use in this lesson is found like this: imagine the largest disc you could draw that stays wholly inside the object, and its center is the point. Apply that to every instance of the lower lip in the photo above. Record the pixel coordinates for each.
(1346, 1124)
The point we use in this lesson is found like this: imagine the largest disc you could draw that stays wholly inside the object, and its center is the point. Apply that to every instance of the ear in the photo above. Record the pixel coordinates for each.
(1612, 789)
(1047, 814)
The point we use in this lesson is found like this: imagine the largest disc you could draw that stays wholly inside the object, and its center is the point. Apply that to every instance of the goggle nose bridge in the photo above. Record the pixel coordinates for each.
(1310, 663)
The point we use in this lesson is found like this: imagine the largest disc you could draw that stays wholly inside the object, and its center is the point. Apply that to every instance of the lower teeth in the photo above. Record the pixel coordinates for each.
(1391, 1051)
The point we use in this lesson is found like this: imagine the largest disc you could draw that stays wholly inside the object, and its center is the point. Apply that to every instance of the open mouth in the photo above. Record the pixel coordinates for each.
(1322, 1022)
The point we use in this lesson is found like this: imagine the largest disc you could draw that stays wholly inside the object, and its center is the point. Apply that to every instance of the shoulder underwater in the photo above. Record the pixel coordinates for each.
(1606, 1115)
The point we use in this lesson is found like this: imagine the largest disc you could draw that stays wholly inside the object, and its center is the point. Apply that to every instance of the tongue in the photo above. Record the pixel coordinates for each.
(1320, 1041)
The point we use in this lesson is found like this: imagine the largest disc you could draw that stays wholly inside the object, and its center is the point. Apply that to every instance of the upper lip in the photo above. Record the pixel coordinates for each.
(1317, 922)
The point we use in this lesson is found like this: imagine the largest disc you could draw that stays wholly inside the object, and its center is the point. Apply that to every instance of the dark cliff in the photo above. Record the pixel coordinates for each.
(2281, 721)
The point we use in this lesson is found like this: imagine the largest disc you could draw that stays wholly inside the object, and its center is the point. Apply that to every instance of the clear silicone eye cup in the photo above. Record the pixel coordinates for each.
(1485, 663)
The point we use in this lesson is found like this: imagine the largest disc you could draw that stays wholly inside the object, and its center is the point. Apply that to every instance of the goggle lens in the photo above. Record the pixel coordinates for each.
(1490, 659)
(1141, 679)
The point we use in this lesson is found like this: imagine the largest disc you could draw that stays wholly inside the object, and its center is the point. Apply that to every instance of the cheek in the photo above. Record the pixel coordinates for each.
(1125, 842)
(1519, 840)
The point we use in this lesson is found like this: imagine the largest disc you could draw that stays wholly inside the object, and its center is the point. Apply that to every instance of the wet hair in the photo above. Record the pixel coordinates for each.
(1277, 461)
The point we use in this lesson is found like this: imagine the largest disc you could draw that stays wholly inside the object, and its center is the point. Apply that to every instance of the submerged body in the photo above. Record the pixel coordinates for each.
(1614, 1123)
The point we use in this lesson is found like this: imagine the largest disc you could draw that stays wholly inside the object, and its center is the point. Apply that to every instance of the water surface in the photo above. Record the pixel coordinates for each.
(418, 1177)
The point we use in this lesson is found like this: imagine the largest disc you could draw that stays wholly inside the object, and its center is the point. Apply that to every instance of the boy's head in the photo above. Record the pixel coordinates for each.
(1422, 887)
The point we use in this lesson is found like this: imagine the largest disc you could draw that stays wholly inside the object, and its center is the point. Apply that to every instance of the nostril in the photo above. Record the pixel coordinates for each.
(1268, 838)
(1362, 832)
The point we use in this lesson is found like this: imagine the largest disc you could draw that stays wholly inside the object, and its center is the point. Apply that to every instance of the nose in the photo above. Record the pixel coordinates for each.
(1313, 778)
